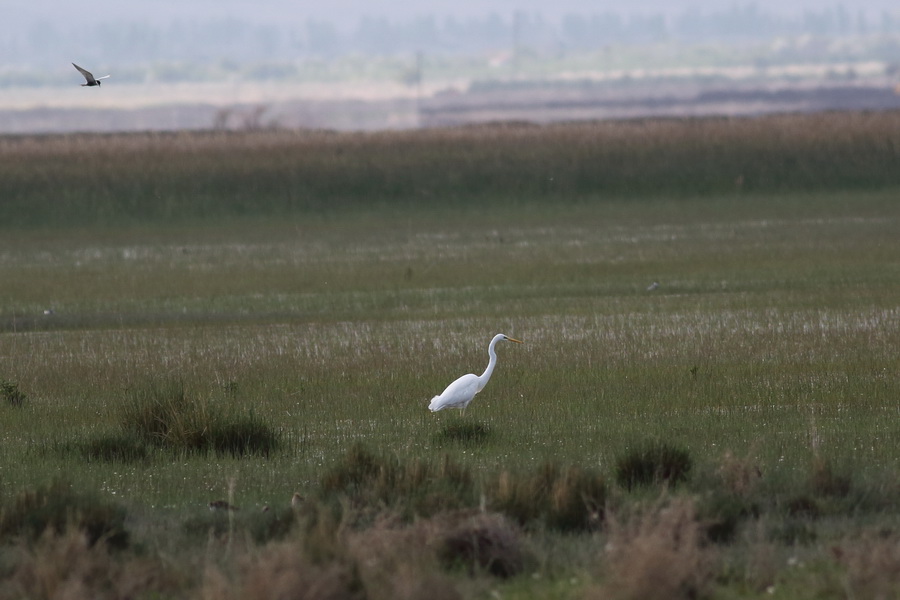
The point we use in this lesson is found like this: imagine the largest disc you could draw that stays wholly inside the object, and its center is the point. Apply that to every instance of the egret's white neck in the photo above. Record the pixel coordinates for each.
(485, 377)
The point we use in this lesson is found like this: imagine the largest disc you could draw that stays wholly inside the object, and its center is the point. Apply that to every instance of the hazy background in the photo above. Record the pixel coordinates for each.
(355, 64)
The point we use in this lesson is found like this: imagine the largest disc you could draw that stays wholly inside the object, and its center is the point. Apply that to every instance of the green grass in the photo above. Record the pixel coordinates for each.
(767, 356)
(768, 323)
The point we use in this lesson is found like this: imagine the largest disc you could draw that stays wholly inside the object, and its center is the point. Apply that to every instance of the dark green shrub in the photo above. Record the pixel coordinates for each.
(653, 464)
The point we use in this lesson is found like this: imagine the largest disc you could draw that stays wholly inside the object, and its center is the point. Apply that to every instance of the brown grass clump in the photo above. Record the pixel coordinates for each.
(741, 476)
(389, 559)
(657, 555)
(282, 571)
(872, 564)
(399, 561)
(418, 487)
(67, 565)
(481, 543)
(825, 480)
(567, 499)
(732, 499)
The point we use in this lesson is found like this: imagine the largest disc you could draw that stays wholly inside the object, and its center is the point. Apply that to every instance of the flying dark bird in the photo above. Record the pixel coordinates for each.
(88, 77)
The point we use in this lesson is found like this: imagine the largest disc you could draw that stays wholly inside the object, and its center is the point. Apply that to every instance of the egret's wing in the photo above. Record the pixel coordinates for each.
(457, 395)
(104, 77)
(87, 74)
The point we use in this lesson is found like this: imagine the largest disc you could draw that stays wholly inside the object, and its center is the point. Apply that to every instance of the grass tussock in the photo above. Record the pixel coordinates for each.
(657, 553)
(401, 560)
(740, 476)
(483, 543)
(11, 394)
(657, 463)
(734, 496)
(68, 565)
(416, 487)
(561, 498)
(166, 416)
(827, 480)
(57, 508)
(386, 559)
(871, 563)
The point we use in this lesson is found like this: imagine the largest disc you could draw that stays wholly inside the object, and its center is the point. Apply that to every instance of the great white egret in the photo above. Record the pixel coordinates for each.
(88, 77)
(459, 393)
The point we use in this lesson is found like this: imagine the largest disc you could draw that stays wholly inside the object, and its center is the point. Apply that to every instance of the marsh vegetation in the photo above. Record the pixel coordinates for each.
(190, 318)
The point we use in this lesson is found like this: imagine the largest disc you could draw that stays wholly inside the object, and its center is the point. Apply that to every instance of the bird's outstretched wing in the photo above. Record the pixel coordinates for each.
(87, 74)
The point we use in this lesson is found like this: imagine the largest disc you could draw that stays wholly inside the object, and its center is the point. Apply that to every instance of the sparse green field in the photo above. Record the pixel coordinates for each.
(330, 316)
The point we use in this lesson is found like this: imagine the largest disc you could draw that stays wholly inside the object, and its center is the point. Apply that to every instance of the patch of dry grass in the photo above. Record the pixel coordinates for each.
(67, 564)
(872, 564)
(659, 553)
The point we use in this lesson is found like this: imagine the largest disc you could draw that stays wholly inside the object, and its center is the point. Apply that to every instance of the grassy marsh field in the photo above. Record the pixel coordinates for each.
(322, 304)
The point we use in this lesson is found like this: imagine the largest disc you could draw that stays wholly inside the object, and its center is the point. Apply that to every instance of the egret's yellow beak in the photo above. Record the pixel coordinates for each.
(509, 339)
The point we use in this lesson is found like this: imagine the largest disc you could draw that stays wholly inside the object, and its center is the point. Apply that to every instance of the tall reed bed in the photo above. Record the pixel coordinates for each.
(171, 177)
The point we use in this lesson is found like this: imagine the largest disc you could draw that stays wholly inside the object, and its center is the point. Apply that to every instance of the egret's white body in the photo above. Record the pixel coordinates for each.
(459, 393)
(90, 79)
